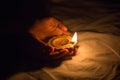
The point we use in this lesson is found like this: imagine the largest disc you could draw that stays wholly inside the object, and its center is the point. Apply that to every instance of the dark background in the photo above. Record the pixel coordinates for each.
(16, 15)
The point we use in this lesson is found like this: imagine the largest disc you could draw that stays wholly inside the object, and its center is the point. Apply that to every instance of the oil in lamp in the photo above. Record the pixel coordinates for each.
(63, 41)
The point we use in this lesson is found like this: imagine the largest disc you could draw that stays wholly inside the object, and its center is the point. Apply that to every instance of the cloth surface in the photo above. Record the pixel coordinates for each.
(98, 26)
(97, 59)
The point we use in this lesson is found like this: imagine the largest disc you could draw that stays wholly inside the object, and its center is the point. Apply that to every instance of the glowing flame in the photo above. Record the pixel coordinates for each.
(74, 38)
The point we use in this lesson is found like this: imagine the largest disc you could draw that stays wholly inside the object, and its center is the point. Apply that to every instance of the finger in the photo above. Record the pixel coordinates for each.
(61, 55)
(67, 33)
(65, 51)
(72, 51)
(50, 50)
(75, 49)
(60, 51)
(58, 56)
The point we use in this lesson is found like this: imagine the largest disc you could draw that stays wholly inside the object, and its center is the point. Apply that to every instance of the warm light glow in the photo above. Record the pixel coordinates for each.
(74, 38)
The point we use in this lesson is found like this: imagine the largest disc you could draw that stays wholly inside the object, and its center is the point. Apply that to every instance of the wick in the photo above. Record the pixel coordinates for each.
(72, 42)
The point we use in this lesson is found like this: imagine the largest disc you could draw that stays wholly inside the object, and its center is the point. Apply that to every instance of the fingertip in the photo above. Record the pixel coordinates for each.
(50, 49)
(65, 51)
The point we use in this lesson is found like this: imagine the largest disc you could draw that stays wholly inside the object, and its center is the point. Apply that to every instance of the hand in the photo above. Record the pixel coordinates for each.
(62, 53)
(48, 27)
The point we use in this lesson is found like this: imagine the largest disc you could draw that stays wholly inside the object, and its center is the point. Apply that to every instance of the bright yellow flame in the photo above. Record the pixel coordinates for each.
(74, 38)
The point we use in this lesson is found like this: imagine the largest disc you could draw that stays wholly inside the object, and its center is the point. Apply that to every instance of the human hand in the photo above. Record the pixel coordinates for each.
(48, 27)
(66, 53)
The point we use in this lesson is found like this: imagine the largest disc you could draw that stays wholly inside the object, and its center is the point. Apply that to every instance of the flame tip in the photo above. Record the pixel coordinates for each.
(74, 38)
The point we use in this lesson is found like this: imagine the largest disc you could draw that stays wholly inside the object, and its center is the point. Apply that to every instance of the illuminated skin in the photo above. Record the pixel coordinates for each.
(49, 27)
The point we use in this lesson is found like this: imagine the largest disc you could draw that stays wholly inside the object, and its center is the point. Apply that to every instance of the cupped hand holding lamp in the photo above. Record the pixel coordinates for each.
(43, 30)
